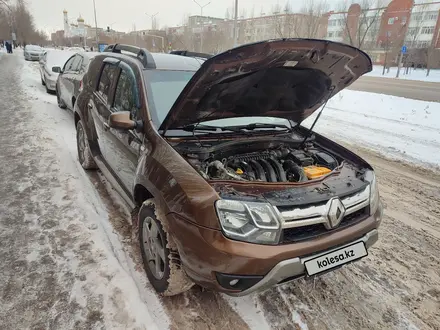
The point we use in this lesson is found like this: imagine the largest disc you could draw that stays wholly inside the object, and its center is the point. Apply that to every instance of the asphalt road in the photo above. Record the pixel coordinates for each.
(418, 90)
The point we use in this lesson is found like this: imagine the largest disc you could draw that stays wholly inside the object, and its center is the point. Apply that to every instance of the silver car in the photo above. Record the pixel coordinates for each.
(33, 53)
(50, 67)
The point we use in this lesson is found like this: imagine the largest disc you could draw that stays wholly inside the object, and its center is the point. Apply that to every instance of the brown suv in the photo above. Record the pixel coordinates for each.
(233, 194)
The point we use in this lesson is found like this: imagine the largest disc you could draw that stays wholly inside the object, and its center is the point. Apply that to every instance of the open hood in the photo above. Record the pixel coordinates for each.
(286, 78)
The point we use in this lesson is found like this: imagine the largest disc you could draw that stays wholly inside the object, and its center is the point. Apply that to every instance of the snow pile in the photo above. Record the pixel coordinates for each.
(417, 74)
(396, 127)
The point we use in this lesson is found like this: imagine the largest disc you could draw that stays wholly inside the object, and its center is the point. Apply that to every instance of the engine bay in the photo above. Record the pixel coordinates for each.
(275, 163)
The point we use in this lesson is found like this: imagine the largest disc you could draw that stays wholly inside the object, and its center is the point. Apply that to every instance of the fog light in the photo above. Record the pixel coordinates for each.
(233, 282)
(237, 282)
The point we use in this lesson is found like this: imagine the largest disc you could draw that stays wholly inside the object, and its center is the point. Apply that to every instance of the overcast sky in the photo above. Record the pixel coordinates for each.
(48, 14)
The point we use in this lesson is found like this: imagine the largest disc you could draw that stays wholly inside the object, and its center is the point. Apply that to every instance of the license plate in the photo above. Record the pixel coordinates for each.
(336, 258)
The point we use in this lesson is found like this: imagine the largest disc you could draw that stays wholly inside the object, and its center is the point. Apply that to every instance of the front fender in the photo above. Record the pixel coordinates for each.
(176, 186)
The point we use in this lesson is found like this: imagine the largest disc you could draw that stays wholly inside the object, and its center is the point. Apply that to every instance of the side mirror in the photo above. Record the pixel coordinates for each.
(121, 120)
(56, 69)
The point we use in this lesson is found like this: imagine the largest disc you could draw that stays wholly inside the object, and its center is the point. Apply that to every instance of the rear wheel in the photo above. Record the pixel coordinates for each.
(84, 155)
(160, 256)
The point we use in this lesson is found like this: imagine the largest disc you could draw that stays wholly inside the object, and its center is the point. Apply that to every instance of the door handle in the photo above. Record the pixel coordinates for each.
(106, 127)
(89, 106)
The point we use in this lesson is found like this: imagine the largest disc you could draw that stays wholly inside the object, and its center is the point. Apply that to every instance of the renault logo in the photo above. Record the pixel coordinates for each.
(335, 214)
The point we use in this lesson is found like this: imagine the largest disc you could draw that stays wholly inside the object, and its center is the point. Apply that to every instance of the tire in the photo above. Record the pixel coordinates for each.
(158, 248)
(82, 144)
(60, 102)
(42, 82)
(47, 90)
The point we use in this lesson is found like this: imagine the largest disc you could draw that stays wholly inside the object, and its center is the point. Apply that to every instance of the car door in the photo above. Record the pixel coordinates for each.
(99, 107)
(125, 145)
(79, 74)
(62, 78)
(69, 80)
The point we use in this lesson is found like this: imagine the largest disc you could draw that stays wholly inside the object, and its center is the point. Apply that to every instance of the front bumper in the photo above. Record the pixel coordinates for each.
(206, 253)
(294, 268)
(32, 57)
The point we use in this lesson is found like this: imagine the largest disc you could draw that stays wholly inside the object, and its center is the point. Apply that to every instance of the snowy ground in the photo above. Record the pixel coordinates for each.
(396, 127)
(418, 74)
(68, 260)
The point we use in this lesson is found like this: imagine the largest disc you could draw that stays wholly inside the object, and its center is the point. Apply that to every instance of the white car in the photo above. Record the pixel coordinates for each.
(50, 67)
(33, 53)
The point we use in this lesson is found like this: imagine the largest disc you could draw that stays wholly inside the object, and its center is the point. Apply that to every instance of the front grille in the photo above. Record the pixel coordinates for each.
(298, 234)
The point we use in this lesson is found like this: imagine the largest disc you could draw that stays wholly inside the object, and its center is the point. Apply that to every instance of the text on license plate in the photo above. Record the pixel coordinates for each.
(335, 258)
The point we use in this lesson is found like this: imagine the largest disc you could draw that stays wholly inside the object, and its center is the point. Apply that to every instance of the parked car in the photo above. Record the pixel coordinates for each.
(75, 49)
(33, 52)
(70, 79)
(232, 193)
(50, 67)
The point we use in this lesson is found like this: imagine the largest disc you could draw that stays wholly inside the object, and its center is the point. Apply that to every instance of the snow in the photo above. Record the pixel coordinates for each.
(127, 298)
(248, 309)
(417, 74)
(396, 127)
(399, 128)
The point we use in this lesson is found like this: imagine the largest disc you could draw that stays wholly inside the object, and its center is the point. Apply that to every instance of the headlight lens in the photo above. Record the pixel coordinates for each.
(248, 221)
(374, 192)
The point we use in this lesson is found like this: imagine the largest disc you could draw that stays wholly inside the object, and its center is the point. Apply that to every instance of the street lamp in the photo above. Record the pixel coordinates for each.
(201, 23)
(96, 26)
(153, 22)
(235, 23)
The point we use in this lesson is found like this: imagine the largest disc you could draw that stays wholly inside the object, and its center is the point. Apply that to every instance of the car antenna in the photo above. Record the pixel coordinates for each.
(309, 132)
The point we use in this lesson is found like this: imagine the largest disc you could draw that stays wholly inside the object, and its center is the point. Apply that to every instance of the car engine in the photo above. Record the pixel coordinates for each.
(283, 164)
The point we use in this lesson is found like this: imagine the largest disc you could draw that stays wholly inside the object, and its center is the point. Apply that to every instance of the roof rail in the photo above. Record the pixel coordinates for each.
(141, 54)
(191, 54)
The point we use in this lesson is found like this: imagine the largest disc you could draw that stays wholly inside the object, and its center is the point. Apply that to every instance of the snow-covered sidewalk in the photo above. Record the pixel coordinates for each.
(63, 265)
(395, 127)
(417, 74)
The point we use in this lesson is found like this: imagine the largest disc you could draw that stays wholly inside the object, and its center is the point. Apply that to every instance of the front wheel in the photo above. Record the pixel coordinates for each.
(160, 256)
(84, 154)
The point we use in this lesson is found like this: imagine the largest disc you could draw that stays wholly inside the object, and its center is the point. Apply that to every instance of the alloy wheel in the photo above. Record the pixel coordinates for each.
(154, 247)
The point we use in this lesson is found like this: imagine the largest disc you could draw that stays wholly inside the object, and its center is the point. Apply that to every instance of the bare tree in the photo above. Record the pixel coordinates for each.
(415, 30)
(277, 21)
(305, 24)
(309, 21)
(361, 24)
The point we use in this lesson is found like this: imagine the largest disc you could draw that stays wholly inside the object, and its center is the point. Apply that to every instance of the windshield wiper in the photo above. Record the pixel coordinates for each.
(242, 129)
(209, 128)
(253, 126)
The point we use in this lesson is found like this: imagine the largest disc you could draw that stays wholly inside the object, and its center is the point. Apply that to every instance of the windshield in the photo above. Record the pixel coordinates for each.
(32, 47)
(164, 87)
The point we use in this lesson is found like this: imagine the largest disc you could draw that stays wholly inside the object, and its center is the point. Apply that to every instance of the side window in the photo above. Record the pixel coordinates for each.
(125, 95)
(76, 63)
(68, 64)
(105, 81)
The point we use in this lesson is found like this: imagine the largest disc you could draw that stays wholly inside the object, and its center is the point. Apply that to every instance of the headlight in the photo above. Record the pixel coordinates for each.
(374, 191)
(248, 221)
